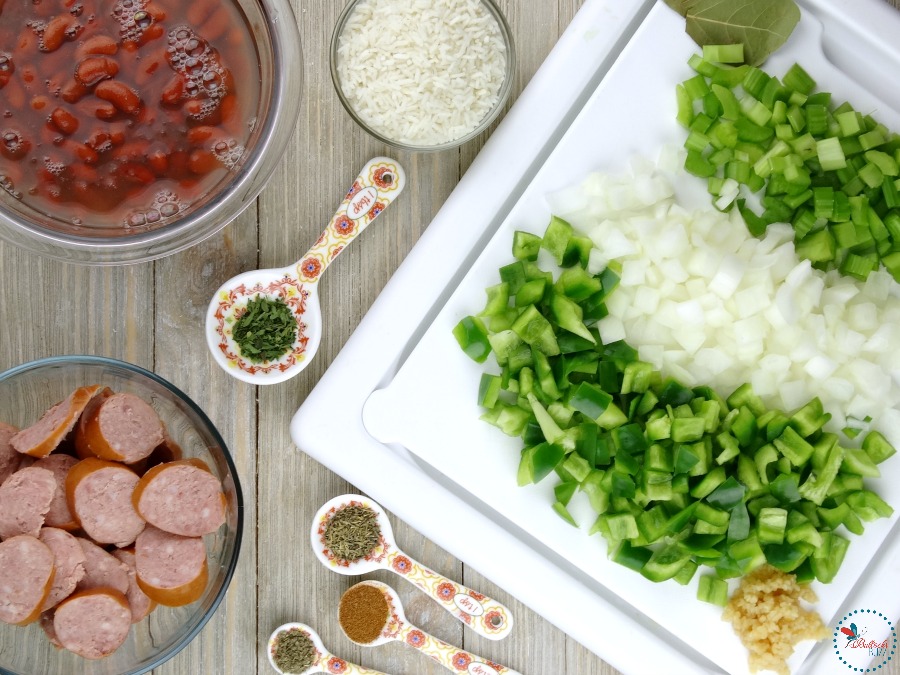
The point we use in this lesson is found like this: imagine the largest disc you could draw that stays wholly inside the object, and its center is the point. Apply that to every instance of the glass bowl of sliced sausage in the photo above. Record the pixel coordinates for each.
(120, 518)
(133, 129)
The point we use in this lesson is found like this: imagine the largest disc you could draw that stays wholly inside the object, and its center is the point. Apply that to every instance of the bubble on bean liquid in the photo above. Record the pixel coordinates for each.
(8, 186)
(73, 31)
(229, 152)
(7, 68)
(198, 63)
(166, 204)
(54, 167)
(14, 144)
(133, 19)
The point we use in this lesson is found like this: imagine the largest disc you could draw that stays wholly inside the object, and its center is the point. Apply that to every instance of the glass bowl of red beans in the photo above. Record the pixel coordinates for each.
(133, 129)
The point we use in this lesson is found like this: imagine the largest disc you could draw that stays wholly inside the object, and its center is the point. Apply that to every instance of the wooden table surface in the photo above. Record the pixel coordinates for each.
(152, 315)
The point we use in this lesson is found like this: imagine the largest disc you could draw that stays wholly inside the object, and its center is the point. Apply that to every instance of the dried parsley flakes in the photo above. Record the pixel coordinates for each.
(266, 330)
(294, 651)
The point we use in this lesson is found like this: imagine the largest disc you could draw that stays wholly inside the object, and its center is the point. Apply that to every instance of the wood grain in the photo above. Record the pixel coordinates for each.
(151, 315)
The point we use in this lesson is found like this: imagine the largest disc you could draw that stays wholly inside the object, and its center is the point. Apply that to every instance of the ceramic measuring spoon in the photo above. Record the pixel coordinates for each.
(326, 662)
(480, 613)
(378, 184)
(452, 658)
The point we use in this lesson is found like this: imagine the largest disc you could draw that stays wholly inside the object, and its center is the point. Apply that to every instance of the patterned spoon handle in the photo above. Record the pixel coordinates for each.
(485, 616)
(329, 663)
(378, 184)
(452, 658)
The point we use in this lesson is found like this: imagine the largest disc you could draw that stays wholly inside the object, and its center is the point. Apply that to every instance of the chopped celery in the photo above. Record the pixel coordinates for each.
(811, 156)
(733, 53)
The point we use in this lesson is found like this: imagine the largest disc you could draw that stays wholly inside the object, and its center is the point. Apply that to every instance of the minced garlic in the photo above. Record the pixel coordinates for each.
(766, 614)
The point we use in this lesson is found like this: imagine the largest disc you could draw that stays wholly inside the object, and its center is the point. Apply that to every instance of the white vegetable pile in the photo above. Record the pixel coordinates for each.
(707, 303)
(421, 72)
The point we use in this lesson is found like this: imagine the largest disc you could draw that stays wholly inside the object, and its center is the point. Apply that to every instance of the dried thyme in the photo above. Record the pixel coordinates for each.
(352, 532)
(294, 651)
(266, 330)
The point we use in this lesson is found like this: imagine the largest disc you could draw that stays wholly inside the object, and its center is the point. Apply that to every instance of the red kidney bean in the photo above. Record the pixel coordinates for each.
(55, 32)
(199, 11)
(133, 151)
(7, 68)
(86, 154)
(105, 110)
(120, 95)
(85, 173)
(14, 95)
(65, 121)
(202, 161)
(172, 93)
(178, 163)
(229, 110)
(39, 102)
(154, 10)
(150, 65)
(27, 41)
(158, 161)
(133, 172)
(73, 91)
(93, 69)
(29, 74)
(97, 44)
(152, 32)
(217, 25)
(203, 134)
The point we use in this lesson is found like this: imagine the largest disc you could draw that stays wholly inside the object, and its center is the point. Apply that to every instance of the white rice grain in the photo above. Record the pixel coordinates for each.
(424, 72)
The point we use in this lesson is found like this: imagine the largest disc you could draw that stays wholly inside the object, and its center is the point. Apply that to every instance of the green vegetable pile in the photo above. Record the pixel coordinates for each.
(266, 330)
(679, 477)
(829, 170)
(762, 26)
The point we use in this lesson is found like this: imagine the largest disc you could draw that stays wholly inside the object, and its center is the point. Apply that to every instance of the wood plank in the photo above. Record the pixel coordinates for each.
(185, 284)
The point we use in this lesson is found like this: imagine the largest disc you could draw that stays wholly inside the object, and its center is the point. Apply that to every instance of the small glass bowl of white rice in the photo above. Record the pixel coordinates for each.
(422, 75)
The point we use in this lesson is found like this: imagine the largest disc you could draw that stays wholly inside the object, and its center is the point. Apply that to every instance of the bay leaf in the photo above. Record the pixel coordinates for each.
(761, 25)
(679, 6)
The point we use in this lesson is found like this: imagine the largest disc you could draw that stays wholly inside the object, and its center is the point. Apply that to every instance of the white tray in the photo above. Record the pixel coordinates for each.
(563, 126)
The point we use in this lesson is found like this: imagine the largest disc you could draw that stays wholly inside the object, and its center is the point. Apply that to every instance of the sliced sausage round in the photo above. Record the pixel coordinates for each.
(181, 497)
(101, 569)
(49, 630)
(94, 623)
(59, 514)
(68, 564)
(42, 437)
(171, 569)
(123, 428)
(81, 450)
(167, 451)
(9, 457)
(99, 494)
(26, 576)
(25, 499)
(138, 601)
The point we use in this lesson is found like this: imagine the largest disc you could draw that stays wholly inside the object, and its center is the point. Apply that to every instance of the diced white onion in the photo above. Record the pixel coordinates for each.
(707, 303)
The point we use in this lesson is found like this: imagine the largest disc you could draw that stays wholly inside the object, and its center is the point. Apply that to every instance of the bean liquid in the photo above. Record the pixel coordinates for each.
(118, 116)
